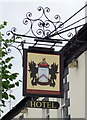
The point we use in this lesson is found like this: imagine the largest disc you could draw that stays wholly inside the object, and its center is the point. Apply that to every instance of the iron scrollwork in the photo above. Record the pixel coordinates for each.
(18, 46)
(43, 23)
(11, 32)
(41, 28)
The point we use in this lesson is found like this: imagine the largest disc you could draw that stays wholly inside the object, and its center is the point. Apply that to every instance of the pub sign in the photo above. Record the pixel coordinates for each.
(42, 72)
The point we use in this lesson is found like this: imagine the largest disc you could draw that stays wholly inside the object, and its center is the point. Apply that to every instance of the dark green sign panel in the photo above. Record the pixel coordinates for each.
(43, 104)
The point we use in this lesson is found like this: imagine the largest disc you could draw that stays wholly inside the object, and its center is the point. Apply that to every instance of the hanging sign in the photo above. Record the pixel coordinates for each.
(43, 104)
(42, 72)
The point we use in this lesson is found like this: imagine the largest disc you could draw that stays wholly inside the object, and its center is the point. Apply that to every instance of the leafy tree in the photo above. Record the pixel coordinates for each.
(7, 78)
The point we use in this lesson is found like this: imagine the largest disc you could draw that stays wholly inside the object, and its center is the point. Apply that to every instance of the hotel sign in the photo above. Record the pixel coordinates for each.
(42, 73)
(43, 104)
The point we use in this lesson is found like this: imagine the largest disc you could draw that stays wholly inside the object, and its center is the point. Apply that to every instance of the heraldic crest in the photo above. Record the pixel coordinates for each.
(43, 73)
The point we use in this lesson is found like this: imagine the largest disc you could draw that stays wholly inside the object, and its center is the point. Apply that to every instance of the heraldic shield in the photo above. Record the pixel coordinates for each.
(43, 73)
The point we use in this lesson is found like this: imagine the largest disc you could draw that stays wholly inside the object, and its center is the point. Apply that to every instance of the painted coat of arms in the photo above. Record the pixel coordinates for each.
(43, 73)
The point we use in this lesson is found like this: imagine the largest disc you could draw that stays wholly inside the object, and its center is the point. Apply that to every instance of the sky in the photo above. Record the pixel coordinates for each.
(14, 11)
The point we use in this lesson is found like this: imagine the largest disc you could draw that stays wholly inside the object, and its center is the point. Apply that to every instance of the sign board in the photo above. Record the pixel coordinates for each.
(42, 73)
(43, 104)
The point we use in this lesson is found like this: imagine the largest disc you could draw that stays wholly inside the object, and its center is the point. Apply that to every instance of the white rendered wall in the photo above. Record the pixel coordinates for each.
(86, 85)
(78, 81)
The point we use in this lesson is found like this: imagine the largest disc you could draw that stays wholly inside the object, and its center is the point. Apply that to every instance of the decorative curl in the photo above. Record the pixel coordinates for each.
(8, 50)
(40, 32)
(41, 24)
(47, 32)
(40, 8)
(57, 17)
(47, 9)
(12, 31)
(29, 14)
(8, 33)
(47, 24)
(26, 21)
(70, 34)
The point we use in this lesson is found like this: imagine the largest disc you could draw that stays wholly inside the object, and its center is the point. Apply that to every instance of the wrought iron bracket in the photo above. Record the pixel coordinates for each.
(40, 28)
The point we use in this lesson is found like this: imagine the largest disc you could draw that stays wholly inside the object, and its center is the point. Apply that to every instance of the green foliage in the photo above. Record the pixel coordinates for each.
(3, 25)
(17, 83)
(5, 95)
(9, 80)
(12, 96)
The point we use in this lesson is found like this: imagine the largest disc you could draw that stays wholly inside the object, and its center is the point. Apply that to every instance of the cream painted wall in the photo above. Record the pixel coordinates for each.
(77, 80)
(86, 85)
(56, 113)
(34, 113)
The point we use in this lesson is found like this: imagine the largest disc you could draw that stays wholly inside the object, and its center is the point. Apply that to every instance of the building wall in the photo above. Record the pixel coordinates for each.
(86, 85)
(77, 79)
(34, 113)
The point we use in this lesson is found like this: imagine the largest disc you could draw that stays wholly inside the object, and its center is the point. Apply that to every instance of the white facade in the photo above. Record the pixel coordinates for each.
(78, 81)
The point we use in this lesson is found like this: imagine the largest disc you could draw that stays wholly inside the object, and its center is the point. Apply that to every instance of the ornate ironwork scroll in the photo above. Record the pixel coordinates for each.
(43, 23)
(43, 28)
(40, 29)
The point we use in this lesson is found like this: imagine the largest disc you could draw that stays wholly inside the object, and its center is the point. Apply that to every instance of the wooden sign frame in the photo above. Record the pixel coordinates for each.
(42, 72)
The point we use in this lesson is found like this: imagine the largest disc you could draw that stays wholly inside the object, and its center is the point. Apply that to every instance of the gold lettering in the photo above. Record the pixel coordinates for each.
(53, 106)
(48, 104)
(32, 104)
(38, 104)
(44, 104)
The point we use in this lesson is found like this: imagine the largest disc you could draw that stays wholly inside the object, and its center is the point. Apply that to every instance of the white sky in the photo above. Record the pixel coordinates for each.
(14, 11)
